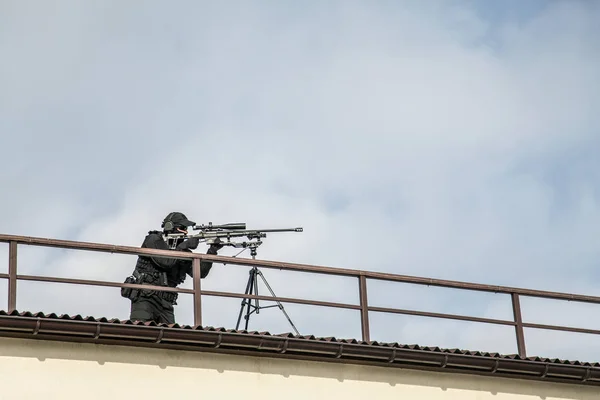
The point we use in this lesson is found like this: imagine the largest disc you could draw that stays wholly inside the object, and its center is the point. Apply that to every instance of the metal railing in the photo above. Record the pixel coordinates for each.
(362, 276)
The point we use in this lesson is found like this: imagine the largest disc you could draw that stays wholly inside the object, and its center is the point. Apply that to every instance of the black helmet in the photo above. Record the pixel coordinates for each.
(176, 220)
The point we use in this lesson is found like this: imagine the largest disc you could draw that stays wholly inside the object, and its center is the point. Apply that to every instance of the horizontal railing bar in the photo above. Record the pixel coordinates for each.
(101, 283)
(99, 247)
(482, 287)
(107, 248)
(561, 328)
(441, 315)
(187, 291)
(299, 267)
(281, 299)
(302, 301)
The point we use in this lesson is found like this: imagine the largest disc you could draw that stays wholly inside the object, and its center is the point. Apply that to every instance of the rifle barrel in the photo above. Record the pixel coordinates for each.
(278, 230)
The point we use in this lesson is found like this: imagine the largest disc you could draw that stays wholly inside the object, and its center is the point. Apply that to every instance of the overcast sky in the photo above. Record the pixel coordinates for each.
(446, 139)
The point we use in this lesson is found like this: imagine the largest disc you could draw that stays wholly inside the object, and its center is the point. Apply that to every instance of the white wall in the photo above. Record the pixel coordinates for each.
(54, 370)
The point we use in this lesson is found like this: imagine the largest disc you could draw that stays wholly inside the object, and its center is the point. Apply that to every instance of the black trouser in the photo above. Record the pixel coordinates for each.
(152, 308)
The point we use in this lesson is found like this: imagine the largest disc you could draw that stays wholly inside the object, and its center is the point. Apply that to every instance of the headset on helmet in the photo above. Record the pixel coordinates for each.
(176, 219)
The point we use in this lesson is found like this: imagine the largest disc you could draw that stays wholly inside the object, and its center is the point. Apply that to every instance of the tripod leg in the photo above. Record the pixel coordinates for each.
(278, 302)
(255, 273)
(253, 288)
(248, 291)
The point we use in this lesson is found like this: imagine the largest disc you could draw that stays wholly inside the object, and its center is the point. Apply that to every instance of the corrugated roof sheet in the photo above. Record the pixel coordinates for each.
(304, 337)
(40, 324)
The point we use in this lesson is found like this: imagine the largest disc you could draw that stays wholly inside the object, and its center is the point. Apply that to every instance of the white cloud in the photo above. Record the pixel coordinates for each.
(422, 140)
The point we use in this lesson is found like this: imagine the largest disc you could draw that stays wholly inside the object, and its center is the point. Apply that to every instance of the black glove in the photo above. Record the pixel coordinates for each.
(190, 244)
(215, 247)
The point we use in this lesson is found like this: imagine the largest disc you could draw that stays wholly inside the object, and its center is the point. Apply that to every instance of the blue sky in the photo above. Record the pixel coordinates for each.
(442, 139)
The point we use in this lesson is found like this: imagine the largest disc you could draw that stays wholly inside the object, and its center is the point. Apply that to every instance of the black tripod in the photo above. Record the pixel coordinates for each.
(252, 286)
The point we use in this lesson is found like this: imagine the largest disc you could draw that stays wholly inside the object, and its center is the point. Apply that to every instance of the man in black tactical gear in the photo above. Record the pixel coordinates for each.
(151, 305)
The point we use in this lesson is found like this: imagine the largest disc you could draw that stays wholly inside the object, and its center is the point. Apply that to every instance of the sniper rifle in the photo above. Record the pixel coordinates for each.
(210, 233)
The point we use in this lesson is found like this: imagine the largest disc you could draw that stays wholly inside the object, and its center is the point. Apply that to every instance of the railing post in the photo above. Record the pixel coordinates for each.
(12, 276)
(364, 308)
(519, 325)
(197, 292)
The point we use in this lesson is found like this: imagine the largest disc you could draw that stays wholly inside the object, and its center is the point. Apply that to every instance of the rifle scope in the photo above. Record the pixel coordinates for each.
(230, 227)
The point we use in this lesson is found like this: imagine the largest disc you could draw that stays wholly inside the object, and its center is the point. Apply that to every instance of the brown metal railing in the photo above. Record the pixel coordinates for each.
(361, 276)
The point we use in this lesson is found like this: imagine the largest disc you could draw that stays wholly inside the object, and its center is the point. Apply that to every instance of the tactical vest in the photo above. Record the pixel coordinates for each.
(148, 274)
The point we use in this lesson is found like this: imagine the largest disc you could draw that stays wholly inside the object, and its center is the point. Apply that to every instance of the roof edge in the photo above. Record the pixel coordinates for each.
(313, 349)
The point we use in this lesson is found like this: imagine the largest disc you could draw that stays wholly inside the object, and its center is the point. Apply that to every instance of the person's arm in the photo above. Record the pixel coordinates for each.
(155, 241)
(205, 266)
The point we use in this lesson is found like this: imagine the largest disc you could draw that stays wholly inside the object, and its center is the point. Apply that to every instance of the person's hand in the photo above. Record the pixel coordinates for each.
(215, 246)
(190, 244)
